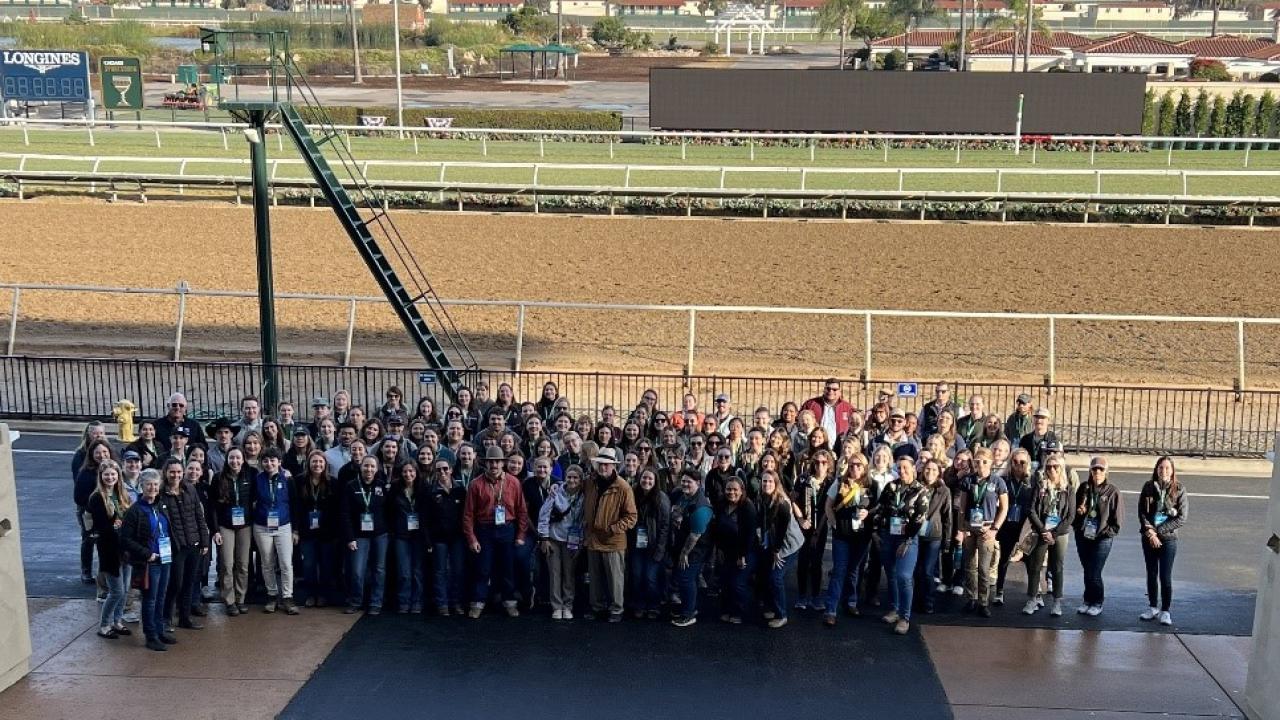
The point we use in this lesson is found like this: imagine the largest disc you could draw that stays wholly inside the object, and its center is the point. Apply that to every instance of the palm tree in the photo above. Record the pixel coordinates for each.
(911, 13)
(1015, 22)
(838, 16)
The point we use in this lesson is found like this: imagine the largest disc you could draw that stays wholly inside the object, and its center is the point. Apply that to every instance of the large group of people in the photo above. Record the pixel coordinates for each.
(493, 503)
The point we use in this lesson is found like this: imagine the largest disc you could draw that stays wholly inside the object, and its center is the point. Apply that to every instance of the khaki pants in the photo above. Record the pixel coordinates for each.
(275, 548)
(233, 571)
(608, 574)
(560, 562)
(981, 565)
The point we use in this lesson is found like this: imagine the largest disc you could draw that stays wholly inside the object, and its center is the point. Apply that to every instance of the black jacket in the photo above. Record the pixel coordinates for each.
(135, 531)
(1046, 502)
(444, 510)
(774, 520)
(909, 502)
(940, 514)
(1103, 506)
(654, 515)
(222, 506)
(164, 430)
(399, 507)
(734, 532)
(86, 482)
(187, 515)
(105, 536)
(354, 506)
(1174, 507)
(534, 496)
(302, 501)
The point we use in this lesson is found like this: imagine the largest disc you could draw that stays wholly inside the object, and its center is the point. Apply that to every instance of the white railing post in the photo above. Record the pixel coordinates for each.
(535, 174)
(957, 152)
(182, 319)
(26, 140)
(13, 320)
(804, 173)
(157, 137)
(684, 148)
(351, 332)
(93, 186)
(519, 337)
(813, 144)
(866, 350)
(91, 142)
(626, 177)
(1093, 149)
(484, 145)
(1247, 146)
(1184, 182)
(1097, 182)
(999, 180)
(693, 337)
(279, 142)
(1052, 376)
(415, 142)
(722, 172)
(223, 132)
(182, 170)
(752, 144)
(1240, 354)
(886, 151)
(542, 146)
(610, 147)
(1168, 158)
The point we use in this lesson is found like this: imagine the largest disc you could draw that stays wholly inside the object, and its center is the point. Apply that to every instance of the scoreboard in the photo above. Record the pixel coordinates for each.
(52, 75)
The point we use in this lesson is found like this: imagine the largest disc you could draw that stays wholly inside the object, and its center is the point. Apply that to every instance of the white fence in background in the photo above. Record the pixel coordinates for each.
(182, 291)
(438, 170)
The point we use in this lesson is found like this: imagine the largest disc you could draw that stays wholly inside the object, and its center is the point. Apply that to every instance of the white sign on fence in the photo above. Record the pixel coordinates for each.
(908, 389)
(445, 122)
(373, 120)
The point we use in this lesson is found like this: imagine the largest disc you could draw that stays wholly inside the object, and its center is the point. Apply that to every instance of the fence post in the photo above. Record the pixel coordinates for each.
(886, 152)
(813, 144)
(752, 144)
(1239, 355)
(684, 142)
(1246, 153)
(693, 334)
(182, 170)
(610, 147)
(26, 140)
(1093, 149)
(157, 138)
(542, 146)
(866, 351)
(415, 142)
(223, 132)
(626, 177)
(13, 319)
(91, 143)
(1097, 182)
(1168, 158)
(999, 180)
(535, 175)
(182, 318)
(351, 331)
(1035, 147)
(1051, 378)
(803, 174)
(957, 152)
(519, 337)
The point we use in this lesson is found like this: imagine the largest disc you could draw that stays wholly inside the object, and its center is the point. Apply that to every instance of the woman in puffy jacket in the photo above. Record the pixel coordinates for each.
(647, 545)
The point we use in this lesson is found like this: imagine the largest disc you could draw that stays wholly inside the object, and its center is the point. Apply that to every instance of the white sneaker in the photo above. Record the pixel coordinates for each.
(566, 615)
(1030, 608)
(1150, 614)
(1166, 618)
(1056, 610)
(957, 591)
(1039, 600)
(1084, 609)
(557, 614)
(131, 617)
(943, 588)
(1094, 611)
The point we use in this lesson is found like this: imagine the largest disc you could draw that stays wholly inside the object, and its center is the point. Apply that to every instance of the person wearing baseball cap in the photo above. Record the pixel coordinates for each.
(1041, 440)
(1097, 522)
(723, 413)
(609, 511)
(1018, 423)
(494, 521)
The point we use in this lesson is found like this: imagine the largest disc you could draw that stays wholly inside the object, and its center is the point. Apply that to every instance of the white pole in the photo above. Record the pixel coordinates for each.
(1017, 128)
(395, 15)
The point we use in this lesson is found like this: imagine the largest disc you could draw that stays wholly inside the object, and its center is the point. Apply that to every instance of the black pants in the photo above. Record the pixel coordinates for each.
(182, 577)
(1160, 572)
(86, 543)
(1007, 536)
(809, 574)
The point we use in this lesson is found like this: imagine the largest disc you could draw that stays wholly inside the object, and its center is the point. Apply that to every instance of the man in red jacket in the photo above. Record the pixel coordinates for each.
(831, 409)
(494, 521)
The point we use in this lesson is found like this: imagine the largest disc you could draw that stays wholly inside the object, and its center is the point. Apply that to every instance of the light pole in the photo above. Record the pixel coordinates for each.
(395, 15)
(355, 40)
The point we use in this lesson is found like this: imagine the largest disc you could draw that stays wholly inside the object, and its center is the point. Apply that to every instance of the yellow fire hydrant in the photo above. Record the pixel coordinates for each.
(123, 412)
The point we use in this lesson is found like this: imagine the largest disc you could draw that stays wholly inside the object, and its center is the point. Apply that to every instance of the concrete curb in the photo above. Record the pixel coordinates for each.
(1231, 467)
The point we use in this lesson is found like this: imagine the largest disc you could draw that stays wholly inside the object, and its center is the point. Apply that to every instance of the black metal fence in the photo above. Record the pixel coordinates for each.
(1088, 418)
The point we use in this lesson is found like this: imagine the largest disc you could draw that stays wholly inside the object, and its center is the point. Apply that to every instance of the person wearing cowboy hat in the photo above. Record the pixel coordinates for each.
(494, 522)
(609, 512)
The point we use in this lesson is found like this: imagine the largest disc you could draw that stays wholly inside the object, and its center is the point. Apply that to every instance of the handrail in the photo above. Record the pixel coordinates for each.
(162, 179)
(125, 125)
(183, 290)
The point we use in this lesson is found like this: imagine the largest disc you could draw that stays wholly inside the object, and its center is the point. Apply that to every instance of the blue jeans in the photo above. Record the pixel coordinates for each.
(495, 565)
(1093, 558)
(112, 610)
(317, 570)
(523, 569)
(370, 553)
(927, 569)
(847, 555)
(776, 585)
(735, 585)
(687, 583)
(1160, 572)
(409, 552)
(450, 559)
(153, 616)
(643, 574)
(901, 570)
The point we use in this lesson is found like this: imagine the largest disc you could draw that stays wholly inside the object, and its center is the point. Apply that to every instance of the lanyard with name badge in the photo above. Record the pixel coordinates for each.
(162, 541)
(411, 517)
(499, 510)
(366, 517)
(237, 512)
(976, 516)
(1091, 522)
(1162, 513)
(273, 515)
(897, 523)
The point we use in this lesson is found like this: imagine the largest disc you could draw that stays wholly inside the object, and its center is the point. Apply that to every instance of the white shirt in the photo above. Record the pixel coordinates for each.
(829, 422)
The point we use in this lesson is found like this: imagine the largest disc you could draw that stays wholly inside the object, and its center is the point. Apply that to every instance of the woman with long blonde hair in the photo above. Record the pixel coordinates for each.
(848, 503)
(107, 506)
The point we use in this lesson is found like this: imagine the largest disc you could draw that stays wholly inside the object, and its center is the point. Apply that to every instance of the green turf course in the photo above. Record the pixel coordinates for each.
(209, 145)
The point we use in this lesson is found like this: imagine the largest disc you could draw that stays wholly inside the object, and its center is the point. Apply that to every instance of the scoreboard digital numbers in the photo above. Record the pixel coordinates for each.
(52, 75)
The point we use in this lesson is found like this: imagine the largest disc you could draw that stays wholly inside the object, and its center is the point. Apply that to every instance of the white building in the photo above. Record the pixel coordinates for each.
(1133, 52)
(1144, 11)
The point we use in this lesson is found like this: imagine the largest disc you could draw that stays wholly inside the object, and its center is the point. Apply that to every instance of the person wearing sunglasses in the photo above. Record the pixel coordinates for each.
(849, 502)
(831, 409)
(446, 501)
(177, 418)
(1021, 485)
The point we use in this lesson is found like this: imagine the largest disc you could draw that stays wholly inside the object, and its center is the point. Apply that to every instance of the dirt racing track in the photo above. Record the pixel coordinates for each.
(915, 266)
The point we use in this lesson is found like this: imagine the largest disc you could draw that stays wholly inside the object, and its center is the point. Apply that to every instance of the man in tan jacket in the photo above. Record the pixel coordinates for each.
(610, 511)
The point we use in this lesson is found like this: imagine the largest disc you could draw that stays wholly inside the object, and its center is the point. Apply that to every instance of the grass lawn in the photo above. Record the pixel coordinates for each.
(200, 147)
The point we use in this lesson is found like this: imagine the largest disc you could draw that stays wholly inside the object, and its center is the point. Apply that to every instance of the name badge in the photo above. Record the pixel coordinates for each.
(166, 550)
(574, 538)
(1015, 513)
(1091, 529)
(500, 515)
(366, 522)
(273, 520)
(1051, 522)
(1161, 519)
(237, 517)
(855, 524)
(896, 525)
(924, 529)
(411, 520)
(315, 520)
(976, 517)
(642, 538)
